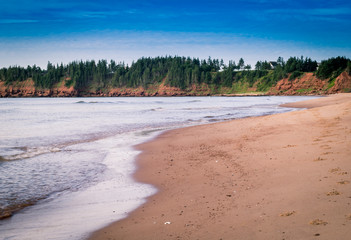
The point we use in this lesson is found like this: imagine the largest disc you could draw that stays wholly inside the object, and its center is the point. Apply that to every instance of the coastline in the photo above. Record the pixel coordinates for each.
(270, 177)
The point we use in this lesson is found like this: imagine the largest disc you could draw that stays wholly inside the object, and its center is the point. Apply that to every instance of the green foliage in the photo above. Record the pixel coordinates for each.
(331, 83)
(266, 82)
(348, 69)
(240, 87)
(241, 63)
(295, 75)
(300, 64)
(47, 78)
(69, 83)
(332, 66)
(264, 86)
(294, 64)
(176, 71)
(14, 73)
(263, 66)
(303, 90)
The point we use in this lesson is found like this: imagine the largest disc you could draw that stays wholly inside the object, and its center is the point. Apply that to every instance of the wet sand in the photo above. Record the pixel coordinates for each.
(284, 176)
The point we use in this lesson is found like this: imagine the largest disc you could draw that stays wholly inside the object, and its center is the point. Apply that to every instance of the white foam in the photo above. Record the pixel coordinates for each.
(75, 215)
(32, 152)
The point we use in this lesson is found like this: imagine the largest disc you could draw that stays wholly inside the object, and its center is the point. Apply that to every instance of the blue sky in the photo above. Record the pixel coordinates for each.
(38, 31)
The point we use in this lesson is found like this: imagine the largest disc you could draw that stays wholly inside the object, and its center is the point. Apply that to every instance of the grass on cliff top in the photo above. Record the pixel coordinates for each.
(304, 90)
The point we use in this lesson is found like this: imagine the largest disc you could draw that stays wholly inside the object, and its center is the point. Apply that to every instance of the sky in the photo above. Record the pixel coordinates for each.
(62, 31)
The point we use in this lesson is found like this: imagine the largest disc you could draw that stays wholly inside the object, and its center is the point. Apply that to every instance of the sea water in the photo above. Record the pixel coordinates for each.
(66, 163)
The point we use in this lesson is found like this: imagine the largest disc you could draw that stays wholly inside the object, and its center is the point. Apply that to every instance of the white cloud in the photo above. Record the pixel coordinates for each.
(9, 21)
(312, 11)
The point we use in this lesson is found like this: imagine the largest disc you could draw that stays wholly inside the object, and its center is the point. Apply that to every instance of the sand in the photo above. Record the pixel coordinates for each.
(284, 176)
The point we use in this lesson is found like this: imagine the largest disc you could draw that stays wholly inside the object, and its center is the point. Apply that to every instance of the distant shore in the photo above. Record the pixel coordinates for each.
(283, 176)
(308, 84)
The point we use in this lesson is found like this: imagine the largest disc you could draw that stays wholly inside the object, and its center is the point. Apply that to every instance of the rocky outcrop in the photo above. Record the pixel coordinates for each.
(342, 84)
(18, 89)
(161, 90)
(309, 84)
(28, 89)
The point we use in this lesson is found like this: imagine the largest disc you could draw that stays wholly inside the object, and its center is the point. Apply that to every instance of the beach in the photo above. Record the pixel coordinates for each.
(282, 176)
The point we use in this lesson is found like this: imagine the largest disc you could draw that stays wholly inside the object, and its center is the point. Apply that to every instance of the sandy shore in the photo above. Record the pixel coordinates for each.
(285, 176)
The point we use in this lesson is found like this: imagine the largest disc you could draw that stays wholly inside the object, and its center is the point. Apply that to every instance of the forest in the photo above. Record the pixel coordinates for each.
(175, 71)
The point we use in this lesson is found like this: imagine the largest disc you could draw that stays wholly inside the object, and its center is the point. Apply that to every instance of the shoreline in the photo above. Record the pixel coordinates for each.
(209, 110)
(59, 215)
(268, 177)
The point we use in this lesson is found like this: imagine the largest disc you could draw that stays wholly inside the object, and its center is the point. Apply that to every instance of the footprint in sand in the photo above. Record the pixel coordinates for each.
(334, 170)
(319, 159)
(318, 222)
(344, 182)
(289, 146)
(287, 214)
(348, 217)
(337, 171)
(333, 193)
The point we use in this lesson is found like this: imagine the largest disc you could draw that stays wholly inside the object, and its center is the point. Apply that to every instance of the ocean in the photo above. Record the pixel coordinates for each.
(66, 163)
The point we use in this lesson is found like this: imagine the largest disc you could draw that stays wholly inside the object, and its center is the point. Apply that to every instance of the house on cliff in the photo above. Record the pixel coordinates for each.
(273, 64)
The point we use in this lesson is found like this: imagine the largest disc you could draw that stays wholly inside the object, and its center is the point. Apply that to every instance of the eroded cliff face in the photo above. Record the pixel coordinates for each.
(28, 89)
(308, 84)
(154, 90)
(342, 84)
(25, 88)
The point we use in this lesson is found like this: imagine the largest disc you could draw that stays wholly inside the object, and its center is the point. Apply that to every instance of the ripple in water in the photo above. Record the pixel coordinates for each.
(36, 176)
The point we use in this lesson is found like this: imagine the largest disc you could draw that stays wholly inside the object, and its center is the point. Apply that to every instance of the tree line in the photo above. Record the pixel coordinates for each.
(177, 71)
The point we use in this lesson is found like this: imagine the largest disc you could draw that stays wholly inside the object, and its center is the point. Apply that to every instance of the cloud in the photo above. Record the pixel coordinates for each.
(314, 11)
(10, 21)
(303, 17)
(95, 14)
(331, 11)
(338, 12)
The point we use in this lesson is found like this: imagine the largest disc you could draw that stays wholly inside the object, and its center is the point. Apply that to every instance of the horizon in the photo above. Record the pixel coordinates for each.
(38, 32)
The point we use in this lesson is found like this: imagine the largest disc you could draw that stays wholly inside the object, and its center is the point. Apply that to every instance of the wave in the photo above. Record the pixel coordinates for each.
(215, 120)
(93, 102)
(30, 152)
(9, 210)
(200, 108)
(156, 109)
(88, 102)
